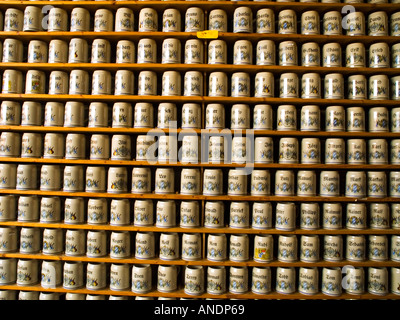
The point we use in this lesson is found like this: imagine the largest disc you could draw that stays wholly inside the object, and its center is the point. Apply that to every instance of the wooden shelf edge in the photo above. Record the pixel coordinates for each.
(203, 262)
(209, 131)
(181, 294)
(196, 99)
(202, 230)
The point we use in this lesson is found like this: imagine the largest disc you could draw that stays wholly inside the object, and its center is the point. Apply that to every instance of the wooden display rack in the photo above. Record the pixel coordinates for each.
(159, 68)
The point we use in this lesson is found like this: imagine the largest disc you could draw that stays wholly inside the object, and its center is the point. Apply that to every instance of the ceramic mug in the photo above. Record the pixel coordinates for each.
(171, 20)
(27, 272)
(265, 52)
(242, 20)
(378, 24)
(119, 277)
(238, 279)
(285, 280)
(194, 51)
(377, 247)
(191, 246)
(332, 55)
(264, 84)
(332, 216)
(37, 51)
(217, 20)
(144, 245)
(8, 208)
(284, 182)
(285, 216)
(194, 19)
(96, 243)
(75, 241)
(379, 213)
(141, 278)
(333, 248)
(117, 178)
(74, 210)
(355, 248)
(377, 282)
(331, 281)
(146, 51)
(52, 241)
(166, 214)
(125, 52)
(355, 280)
(29, 240)
(239, 215)
(355, 184)
(286, 117)
(355, 55)
(120, 212)
(58, 51)
(287, 22)
(124, 19)
(143, 212)
(287, 248)
(103, 20)
(120, 245)
(214, 214)
(13, 19)
(310, 22)
(216, 247)
(356, 216)
(95, 179)
(357, 87)
(78, 51)
(80, 19)
(332, 23)
(95, 276)
(308, 280)
(8, 268)
(288, 53)
(216, 279)
(169, 246)
(263, 248)
(167, 278)
(309, 216)
(10, 113)
(73, 275)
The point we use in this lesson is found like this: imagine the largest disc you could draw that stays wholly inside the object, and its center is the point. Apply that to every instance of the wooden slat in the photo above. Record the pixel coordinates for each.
(201, 230)
(155, 131)
(181, 294)
(159, 36)
(204, 262)
(228, 68)
(177, 196)
(196, 99)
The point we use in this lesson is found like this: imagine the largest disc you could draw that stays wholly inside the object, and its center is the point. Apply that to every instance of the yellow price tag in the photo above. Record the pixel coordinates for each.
(207, 34)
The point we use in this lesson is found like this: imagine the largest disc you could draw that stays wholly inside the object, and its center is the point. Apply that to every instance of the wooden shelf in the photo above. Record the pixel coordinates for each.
(206, 69)
(181, 294)
(195, 99)
(135, 163)
(201, 230)
(204, 262)
(255, 132)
